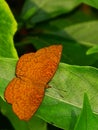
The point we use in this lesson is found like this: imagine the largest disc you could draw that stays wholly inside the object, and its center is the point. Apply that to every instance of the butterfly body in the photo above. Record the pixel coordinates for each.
(33, 71)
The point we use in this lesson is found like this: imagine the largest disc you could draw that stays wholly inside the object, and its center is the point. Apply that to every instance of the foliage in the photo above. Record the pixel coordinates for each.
(87, 120)
(43, 23)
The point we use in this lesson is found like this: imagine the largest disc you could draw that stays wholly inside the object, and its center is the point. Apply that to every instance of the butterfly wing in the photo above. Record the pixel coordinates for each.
(33, 72)
(24, 65)
(12, 90)
(24, 96)
(47, 61)
(40, 66)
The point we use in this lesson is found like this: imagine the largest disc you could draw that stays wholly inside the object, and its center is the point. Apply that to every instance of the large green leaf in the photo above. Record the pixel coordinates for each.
(38, 10)
(87, 120)
(64, 98)
(8, 27)
(62, 102)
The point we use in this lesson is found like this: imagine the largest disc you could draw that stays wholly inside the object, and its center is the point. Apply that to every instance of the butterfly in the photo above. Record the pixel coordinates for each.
(33, 72)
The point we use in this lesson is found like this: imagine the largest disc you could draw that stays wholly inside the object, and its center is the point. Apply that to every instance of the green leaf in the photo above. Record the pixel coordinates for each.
(87, 120)
(34, 124)
(7, 72)
(8, 27)
(64, 98)
(73, 51)
(84, 32)
(25, 16)
(93, 3)
(44, 10)
(62, 102)
(79, 31)
(92, 50)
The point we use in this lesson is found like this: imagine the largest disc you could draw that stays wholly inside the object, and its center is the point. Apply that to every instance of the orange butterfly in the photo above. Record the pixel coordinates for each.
(33, 72)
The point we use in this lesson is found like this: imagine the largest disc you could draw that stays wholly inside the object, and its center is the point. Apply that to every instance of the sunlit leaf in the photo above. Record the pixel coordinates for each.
(87, 120)
(8, 27)
(93, 50)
